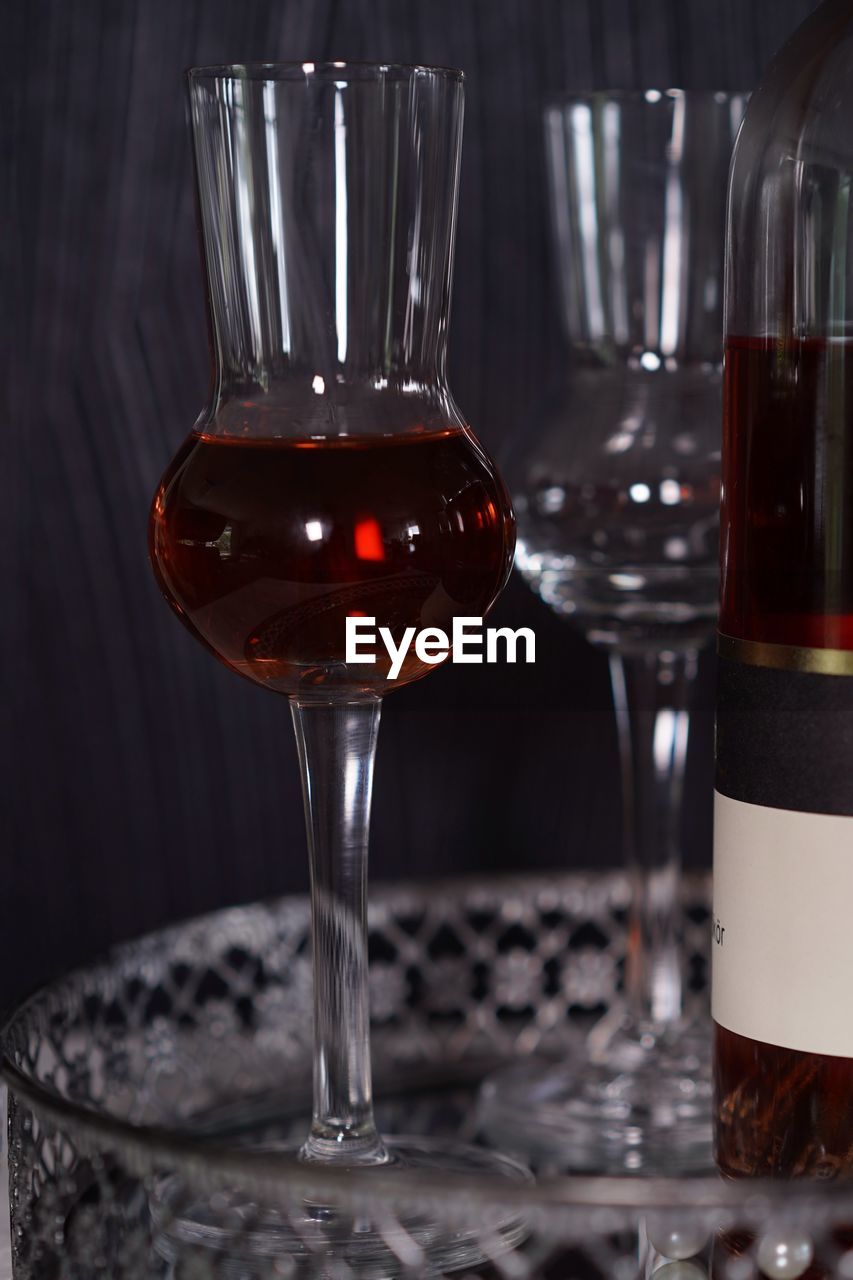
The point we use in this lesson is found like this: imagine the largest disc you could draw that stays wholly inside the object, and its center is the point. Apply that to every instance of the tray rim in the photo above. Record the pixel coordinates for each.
(149, 1147)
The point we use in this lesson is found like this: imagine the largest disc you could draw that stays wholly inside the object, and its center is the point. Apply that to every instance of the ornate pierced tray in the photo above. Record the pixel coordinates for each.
(143, 1073)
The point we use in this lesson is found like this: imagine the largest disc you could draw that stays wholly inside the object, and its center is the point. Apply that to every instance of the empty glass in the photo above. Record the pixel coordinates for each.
(617, 494)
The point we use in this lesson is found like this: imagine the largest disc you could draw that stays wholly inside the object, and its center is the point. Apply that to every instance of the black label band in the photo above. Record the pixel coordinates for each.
(784, 737)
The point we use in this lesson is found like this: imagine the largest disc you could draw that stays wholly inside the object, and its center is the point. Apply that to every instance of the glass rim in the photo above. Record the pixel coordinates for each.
(651, 96)
(293, 71)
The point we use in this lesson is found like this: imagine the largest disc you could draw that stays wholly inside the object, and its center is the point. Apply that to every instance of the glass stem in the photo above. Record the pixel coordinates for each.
(652, 693)
(337, 747)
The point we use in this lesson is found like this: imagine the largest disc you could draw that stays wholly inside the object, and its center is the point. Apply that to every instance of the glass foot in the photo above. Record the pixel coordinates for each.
(641, 1103)
(255, 1239)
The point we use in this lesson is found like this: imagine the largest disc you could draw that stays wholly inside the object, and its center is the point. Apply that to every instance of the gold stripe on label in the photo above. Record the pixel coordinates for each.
(786, 657)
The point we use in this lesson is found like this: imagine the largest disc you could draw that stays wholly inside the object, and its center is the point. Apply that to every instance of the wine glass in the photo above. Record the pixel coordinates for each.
(617, 493)
(332, 476)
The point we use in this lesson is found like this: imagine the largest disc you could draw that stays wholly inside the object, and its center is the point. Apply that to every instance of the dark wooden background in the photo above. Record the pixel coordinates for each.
(141, 780)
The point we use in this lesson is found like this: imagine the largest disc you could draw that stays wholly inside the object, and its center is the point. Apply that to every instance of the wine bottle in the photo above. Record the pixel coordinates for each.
(783, 844)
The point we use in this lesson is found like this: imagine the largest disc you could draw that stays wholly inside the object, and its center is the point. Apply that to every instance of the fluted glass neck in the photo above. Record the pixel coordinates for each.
(637, 184)
(327, 198)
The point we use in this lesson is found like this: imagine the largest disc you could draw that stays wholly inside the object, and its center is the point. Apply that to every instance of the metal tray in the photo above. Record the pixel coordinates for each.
(147, 1070)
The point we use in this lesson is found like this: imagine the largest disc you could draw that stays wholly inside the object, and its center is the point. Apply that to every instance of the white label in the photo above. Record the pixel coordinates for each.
(782, 968)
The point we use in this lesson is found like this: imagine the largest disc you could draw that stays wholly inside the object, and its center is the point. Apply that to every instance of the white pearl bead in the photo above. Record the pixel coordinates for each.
(680, 1271)
(674, 1238)
(844, 1267)
(785, 1255)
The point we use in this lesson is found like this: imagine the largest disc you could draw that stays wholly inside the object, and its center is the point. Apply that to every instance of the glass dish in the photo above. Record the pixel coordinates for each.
(174, 1054)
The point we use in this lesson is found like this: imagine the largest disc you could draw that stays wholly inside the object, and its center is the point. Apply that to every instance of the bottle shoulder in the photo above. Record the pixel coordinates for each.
(801, 109)
(788, 253)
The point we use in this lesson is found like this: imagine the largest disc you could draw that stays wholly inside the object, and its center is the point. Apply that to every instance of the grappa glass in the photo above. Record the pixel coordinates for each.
(617, 495)
(332, 476)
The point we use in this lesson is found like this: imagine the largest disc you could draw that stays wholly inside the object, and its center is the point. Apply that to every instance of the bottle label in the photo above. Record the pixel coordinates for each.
(782, 949)
(782, 943)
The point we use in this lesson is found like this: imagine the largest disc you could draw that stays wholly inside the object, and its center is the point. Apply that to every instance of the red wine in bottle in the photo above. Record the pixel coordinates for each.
(783, 980)
(264, 547)
(783, 844)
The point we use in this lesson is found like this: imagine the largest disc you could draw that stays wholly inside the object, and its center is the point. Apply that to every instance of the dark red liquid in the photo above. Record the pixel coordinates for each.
(787, 502)
(787, 546)
(781, 1112)
(264, 547)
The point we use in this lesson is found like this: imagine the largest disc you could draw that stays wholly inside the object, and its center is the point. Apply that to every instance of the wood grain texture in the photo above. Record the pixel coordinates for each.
(144, 782)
